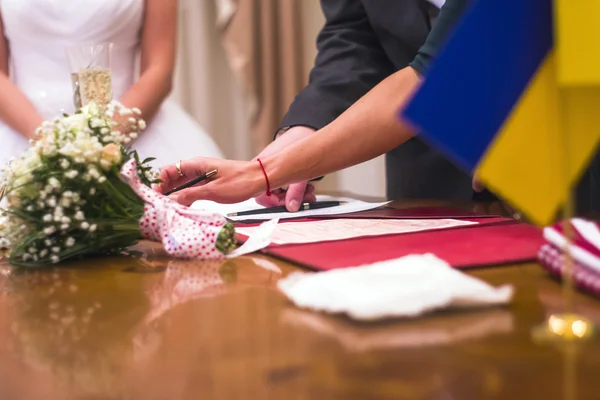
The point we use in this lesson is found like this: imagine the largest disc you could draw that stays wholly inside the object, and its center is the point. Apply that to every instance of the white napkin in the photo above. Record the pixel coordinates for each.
(405, 287)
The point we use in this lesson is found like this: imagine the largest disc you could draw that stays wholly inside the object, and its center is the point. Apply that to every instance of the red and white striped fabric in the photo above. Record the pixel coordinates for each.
(584, 251)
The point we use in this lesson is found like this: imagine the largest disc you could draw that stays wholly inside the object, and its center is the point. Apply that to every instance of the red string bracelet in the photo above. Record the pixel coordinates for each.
(266, 176)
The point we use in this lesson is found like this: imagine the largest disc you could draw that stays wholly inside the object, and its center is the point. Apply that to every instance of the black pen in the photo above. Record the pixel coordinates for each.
(282, 209)
(193, 182)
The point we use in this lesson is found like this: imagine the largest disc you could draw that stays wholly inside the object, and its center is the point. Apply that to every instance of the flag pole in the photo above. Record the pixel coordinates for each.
(566, 329)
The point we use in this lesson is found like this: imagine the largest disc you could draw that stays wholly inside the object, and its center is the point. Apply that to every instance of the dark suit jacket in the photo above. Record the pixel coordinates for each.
(363, 42)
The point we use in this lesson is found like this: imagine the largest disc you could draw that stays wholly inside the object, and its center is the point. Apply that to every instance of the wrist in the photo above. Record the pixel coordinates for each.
(265, 176)
(256, 178)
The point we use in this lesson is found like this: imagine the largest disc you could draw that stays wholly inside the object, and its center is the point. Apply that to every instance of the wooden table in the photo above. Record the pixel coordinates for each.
(154, 328)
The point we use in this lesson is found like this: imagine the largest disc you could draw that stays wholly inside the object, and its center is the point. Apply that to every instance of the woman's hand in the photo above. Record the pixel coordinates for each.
(234, 182)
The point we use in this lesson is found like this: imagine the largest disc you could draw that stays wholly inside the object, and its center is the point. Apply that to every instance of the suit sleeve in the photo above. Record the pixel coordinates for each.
(449, 15)
(350, 62)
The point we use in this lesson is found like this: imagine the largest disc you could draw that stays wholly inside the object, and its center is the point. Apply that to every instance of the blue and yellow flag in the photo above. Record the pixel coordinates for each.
(493, 101)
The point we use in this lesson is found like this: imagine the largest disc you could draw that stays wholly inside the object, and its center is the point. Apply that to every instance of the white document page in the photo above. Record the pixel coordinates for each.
(340, 229)
(351, 206)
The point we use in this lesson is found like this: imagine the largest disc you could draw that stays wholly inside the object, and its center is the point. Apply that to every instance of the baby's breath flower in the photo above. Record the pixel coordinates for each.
(64, 163)
(51, 202)
(55, 259)
(49, 230)
(55, 249)
(94, 172)
(93, 227)
(64, 227)
(102, 179)
(85, 226)
(43, 253)
(97, 123)
(48, 242)
(47, 218)
(92, 191)
(54, 183)
(79, 216)
(142, 124)
(70, 242)
(65, 202)
(72, 174)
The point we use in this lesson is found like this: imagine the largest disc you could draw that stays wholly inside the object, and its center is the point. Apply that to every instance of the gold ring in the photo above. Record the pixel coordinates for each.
(178, 167)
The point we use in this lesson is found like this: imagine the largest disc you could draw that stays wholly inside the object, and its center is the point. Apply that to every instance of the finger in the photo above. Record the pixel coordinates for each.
(309, 194)
(479, 208)
(277, 198)
(295, 195)
(187, 197)
(309, 198)
(478, 186)
(497, 208)
(190, 169)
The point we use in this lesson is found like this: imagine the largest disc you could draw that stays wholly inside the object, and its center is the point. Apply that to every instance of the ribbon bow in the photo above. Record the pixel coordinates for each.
(184, 232)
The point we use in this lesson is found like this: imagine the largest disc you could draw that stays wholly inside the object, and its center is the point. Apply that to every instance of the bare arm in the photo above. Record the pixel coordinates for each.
(15, 109)
(159, 37)
(367, 129)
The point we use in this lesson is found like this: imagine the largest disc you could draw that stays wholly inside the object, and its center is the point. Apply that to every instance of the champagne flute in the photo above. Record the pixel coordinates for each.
(90, 74)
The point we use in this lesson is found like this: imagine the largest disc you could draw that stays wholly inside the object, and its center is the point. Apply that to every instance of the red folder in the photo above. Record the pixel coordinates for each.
(488, 244)
(412, 213)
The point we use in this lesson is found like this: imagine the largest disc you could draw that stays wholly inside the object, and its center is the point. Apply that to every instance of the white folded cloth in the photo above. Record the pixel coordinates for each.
(405, 287)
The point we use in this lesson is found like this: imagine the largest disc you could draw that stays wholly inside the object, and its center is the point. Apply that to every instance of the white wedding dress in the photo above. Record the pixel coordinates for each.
(39, 33)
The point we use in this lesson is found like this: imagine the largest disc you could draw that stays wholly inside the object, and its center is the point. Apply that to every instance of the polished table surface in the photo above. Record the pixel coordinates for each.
(153, 328)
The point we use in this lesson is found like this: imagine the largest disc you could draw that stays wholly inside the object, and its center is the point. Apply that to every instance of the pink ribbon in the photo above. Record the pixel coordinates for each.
(184, 232)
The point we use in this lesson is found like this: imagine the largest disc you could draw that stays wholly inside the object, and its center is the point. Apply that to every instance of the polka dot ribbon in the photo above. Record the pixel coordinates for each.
(184, 232)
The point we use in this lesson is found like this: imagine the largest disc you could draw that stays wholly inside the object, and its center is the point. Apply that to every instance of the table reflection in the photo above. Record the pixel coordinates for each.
(102, 332)
(435, 330)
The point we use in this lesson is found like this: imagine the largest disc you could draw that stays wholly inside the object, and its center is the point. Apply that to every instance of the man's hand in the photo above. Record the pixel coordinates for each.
(296, 193)
(477, 185)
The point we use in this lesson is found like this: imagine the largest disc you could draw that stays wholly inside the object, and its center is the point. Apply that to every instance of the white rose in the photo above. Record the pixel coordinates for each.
(76, 122)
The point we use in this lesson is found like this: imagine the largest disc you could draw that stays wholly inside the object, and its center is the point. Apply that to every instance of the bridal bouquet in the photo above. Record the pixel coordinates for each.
(79, 191)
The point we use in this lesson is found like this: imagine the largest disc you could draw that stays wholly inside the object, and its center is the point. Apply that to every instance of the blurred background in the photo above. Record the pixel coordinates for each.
(240, 64)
